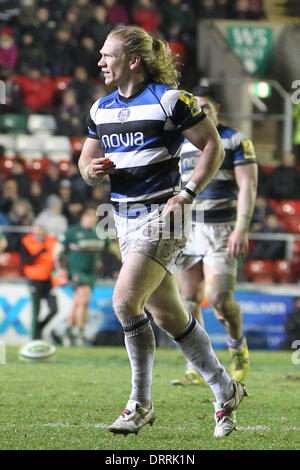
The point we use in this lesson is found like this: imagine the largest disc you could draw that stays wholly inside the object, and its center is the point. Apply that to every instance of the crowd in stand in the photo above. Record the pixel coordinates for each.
(43, 41)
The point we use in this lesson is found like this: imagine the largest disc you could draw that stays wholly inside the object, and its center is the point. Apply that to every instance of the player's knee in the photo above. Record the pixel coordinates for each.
(125, 309)
(192, 306)
(221, 301)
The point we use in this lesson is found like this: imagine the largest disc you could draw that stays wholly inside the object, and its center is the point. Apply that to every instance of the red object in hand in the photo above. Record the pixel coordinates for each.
(106, 161)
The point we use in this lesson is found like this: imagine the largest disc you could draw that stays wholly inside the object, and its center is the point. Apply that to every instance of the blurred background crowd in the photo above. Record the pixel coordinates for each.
(49, 51)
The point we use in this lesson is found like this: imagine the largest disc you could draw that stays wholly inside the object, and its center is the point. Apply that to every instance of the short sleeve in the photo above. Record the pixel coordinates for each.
(182, 108)
(243, 150)
(187, 112)
(91, 125)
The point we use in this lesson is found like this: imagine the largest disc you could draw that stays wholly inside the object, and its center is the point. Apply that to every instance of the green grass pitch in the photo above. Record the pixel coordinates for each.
(68, 402)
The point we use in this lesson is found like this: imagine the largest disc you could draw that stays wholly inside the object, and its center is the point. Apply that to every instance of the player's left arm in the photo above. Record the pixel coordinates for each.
(246, 178)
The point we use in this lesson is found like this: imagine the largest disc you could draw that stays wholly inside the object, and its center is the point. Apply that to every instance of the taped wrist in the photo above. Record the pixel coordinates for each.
(190, 191)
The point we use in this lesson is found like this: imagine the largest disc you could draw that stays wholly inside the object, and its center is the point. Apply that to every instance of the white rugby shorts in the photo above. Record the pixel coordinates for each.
(152, 235)
(209, 243)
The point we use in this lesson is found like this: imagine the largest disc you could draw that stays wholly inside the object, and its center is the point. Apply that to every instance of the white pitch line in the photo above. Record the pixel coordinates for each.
(259, 427)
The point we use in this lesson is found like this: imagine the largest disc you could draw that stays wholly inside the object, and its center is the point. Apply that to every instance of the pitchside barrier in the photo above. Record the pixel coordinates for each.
(265, 309)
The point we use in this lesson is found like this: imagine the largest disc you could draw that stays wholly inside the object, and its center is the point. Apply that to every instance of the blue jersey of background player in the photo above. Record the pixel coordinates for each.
(221, 215)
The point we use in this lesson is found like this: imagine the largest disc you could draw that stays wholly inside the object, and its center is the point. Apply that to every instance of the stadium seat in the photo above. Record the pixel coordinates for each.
(41, 123)
(10, 264)
(13, 123)
(30, 146)
(6, 165)
(259, 271)
(268, 169)
(292, 224)
(286, 208)
(61, 83)
(77, 143)
(58, 148)
(282, 271)
(296, 247)
(63, 167)
(8, 142)
(36, 168)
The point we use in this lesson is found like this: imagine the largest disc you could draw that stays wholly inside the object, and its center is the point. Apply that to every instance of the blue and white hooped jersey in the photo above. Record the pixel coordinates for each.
(217, 202)
(142, 135)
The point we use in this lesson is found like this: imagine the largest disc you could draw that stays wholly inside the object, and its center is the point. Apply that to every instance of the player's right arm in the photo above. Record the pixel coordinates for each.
(205, 137)
(93, 165)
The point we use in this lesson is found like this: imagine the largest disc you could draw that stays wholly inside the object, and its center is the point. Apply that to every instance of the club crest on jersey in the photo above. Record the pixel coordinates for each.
(123, 115)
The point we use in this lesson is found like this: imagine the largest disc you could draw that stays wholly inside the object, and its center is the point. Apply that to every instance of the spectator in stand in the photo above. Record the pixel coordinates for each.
(20, 214)
(51, 217)
(69, 115)
(87, 55)
(56, 9)
(27, 12)
(261, 210)
(8, 48)
(42, 27)
(178, 13)
(19, 175)
(13, 94)
(98, 27)
(211, 9)
(99, 195)
(72, 22)
(71, 204)
(30, 51)
(83, 86)
(146, 15)
(116, 13)
(256, 10)
(284, 181)
(79, 186)
(241, 10)
(263, 181)
(50, 181)
(10, 194)
(36, 197)
(62, 53)
(85, 10)
(269, 249)
(176, 43)
(37, 90)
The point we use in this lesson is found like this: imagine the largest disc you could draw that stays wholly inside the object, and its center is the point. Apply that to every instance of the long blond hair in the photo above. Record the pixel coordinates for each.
(157, 60)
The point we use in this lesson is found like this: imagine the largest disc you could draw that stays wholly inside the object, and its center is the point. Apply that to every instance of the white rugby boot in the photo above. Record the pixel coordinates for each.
(133, 418)
(225, 413)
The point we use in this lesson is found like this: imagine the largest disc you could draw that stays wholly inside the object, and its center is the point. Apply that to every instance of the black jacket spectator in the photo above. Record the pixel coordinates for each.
(269, 249)
(284, 182)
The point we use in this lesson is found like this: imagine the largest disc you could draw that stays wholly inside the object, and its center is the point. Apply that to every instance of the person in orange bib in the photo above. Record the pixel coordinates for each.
(37, 257)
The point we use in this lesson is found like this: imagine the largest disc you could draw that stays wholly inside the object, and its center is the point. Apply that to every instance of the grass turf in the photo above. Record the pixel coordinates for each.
(67, 403)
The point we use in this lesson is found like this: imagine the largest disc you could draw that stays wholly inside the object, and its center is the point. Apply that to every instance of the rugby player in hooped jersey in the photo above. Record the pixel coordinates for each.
(140, 128)
(219, 234)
